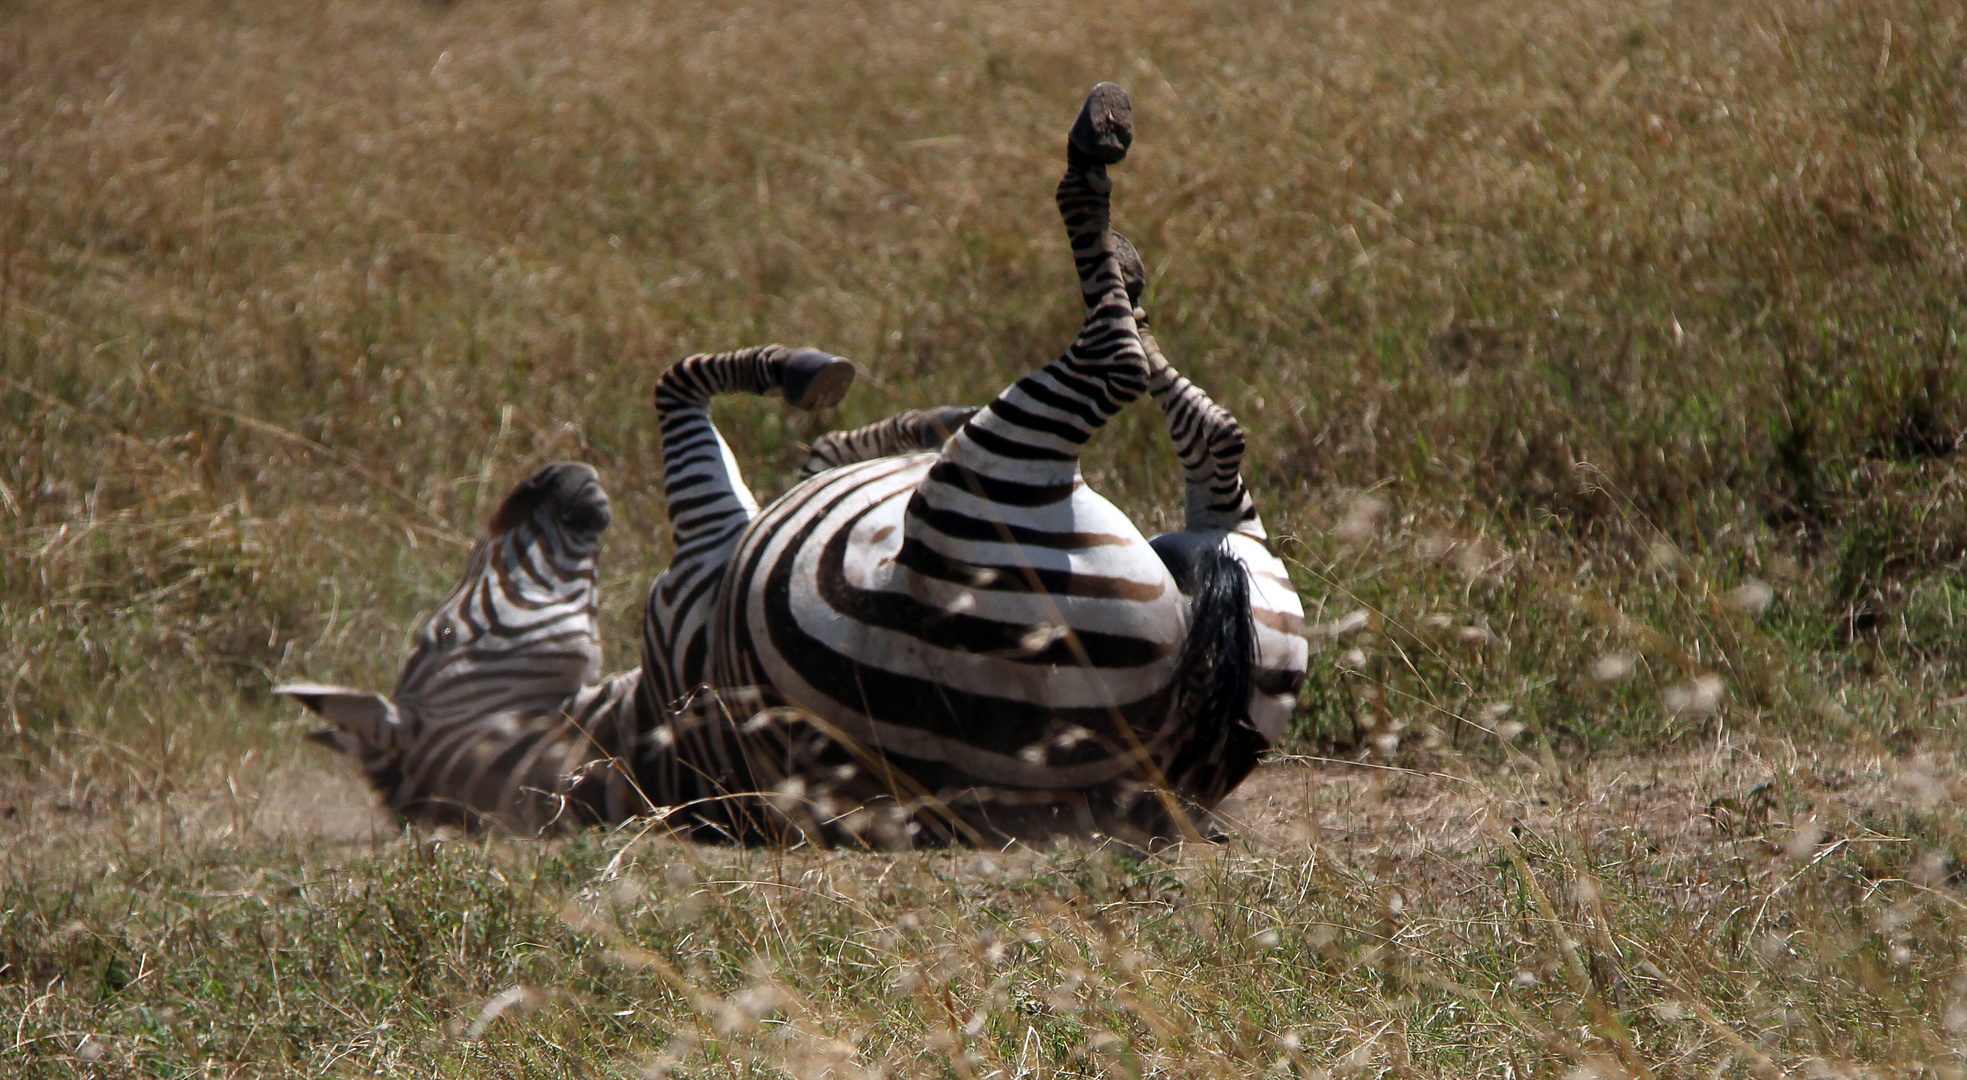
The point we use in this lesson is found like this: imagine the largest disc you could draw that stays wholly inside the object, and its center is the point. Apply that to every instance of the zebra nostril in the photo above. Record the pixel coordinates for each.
(588, 511)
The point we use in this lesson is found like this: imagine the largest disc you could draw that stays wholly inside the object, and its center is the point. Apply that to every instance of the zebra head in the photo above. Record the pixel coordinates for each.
(518, 630)
(513, 641)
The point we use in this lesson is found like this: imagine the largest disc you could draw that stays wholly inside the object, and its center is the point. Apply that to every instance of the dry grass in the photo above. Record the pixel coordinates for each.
(1621, 919)
(1601, 368)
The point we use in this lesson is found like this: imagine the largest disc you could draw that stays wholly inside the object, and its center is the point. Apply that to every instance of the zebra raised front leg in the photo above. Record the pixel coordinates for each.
(709, 505)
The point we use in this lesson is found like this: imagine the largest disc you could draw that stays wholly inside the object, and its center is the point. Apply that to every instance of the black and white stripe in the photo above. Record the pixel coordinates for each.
(968, 641)
(709, 505)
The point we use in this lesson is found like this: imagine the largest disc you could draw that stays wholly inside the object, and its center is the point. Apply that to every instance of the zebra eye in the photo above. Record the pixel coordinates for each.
(446, 632)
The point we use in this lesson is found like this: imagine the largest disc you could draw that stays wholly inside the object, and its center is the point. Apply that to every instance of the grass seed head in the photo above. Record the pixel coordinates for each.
(1699, 696)
(1613, 667)
(1752, 597)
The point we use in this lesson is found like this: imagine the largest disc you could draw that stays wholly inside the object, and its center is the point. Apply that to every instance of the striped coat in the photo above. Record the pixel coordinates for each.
(965, 640)
(479, 717)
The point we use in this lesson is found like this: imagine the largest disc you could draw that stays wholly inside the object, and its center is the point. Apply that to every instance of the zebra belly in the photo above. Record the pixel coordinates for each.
(1045, 662)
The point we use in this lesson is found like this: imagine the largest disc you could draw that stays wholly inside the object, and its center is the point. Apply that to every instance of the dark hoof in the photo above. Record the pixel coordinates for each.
(949, 418)
(1133, 273)
(1105, 128)
(814, 380)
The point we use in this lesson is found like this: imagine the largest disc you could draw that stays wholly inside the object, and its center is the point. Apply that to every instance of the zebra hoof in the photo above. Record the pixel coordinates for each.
(1133, 272)
(1105, 128)
(814, 380)
(948, 419)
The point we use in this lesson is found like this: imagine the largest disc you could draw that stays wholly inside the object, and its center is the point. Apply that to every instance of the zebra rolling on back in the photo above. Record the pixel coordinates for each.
(969, 627)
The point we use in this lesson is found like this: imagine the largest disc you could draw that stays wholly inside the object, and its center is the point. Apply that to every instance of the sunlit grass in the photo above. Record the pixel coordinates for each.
(1600, 364)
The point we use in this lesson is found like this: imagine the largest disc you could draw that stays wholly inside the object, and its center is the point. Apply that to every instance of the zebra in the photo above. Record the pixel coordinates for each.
(969, 633)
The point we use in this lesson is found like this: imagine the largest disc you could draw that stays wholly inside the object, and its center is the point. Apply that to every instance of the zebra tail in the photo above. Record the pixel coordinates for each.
(1218, 663)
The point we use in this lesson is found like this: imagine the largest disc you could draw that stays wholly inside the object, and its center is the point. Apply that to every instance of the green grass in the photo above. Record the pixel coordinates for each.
(1604, 356)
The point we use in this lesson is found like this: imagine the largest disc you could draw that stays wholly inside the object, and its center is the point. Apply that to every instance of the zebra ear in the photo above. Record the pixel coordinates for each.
(369, 719)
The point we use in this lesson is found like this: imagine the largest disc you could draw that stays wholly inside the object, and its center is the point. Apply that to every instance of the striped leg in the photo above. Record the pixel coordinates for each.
(914, 431)
(708, 503)
(1220, 516)
(1024, 447)
(1209, 442)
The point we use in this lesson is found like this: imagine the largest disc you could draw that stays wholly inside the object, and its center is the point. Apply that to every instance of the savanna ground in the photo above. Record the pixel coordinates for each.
(1602, 373)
